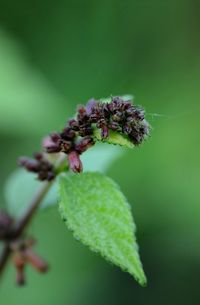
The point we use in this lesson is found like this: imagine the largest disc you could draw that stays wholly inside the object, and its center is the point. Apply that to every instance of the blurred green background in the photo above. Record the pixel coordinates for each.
(56, 54)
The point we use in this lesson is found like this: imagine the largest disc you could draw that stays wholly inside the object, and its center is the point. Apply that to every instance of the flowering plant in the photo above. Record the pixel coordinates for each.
(90, 203)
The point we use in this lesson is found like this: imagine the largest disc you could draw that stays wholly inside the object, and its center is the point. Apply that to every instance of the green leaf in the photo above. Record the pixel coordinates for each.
(114, 138)
(99, 215)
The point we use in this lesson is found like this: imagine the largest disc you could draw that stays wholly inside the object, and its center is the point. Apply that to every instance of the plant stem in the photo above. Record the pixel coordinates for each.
(24, 221)
(26, 218)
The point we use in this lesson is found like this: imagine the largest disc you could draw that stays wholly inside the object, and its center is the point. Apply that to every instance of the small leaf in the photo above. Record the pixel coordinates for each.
(114, 138)
(94, 208)
(126, 98)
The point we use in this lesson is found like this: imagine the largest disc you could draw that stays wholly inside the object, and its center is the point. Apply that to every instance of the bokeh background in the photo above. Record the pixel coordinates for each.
(56, 54)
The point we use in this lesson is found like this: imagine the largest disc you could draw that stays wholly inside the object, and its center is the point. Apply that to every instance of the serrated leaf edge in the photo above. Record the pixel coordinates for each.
(142, 280)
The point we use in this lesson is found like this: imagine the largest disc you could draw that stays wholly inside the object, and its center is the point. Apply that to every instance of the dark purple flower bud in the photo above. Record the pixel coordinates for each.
(83, 144)
(52, 143)
(101, 123)
(139, 114)
(30, 164)
(130, 119)
(55, 137)
(90, 106)
(106, 112)
(85, 130)
(66, 146)
(126, 105)
(114, 126)
(73, 124)
(111, 107)
(53, 149)
(40, 165)
(38, 156)
(104, 132)
(127, 129)
(68, 134)
(81, 110)
(75, 163)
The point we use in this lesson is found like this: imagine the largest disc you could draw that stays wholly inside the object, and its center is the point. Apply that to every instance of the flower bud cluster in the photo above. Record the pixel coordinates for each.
(122, 117)
(118, 115)
(78, 135)
(40, 165)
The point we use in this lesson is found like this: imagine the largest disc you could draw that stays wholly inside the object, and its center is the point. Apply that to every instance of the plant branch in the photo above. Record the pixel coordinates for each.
(24, 221)
(35, 202)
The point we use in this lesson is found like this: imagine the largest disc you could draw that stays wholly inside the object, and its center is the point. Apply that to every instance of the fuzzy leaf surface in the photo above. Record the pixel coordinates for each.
(98, 214)
(114, 138)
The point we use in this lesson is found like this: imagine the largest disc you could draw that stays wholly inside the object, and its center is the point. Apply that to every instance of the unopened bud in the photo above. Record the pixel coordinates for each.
(73, 124)
(104, 132)
(52, 143)
(38, 263)
(30, 164)
(75, 163)
(19, 264)
(90, 105)
(83, 144)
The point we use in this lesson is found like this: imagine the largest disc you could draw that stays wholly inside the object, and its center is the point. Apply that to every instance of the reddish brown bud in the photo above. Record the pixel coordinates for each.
(19, 264)
(36, 262)
(75, 163)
